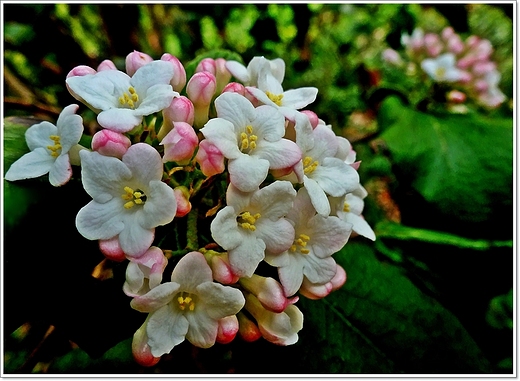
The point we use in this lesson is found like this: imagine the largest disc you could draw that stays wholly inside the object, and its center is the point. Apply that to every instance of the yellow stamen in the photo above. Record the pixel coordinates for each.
(300, 243)
(247, 221)
(129, 100)
(248, 140)
(56, 148)
(133, 197)
(346, 207)
(277, 99)
(309, 165)
(186, 302)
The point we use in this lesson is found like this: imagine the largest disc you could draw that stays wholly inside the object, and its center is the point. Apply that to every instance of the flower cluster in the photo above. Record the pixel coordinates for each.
(281, 191)
(466, 66)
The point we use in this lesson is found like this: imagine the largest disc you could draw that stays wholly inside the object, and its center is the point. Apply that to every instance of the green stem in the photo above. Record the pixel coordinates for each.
(192, 239)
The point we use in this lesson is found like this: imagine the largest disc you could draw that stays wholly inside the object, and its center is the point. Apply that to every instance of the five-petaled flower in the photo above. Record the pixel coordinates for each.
(253, 222)
(129, 198)
(189, 307)
(122, 101)
(251, 139)
(50, 145)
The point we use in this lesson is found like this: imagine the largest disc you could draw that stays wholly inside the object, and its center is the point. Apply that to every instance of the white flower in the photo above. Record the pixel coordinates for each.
(316, 239)
(189, 306)
(349, 209)
(129, 198)
(249, 75)
(443, 68)
(324, 174)
(279, 328)
(50, 145)
(251, 138)
(253, 222)
(123, 100)
(145, 272)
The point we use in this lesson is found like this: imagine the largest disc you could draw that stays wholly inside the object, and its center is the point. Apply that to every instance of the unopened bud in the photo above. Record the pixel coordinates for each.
(180, 110)
(234, 87)
(135, 60)
(110, 143)
(200, 89)
(106, 65)
(112, 249)
(180, 143)
(140, 348)
(456, 96)
(80, 71)
(210, 159)
(182, 196)
(179, 73)
(267, 290)
(219, 263)
(247, 329)
(227, 329)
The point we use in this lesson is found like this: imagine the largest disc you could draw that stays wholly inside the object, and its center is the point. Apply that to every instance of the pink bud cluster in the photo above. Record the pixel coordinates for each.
(478, 74)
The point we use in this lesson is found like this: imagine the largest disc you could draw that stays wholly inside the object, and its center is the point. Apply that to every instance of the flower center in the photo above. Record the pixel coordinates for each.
(440, 72)
(56, 148)
(133, 197)
(346, 207)
(186, 301)
(309, 165)
(129, 99)
(277, 99)
(300, 243)
(248, 140)
(247, 221)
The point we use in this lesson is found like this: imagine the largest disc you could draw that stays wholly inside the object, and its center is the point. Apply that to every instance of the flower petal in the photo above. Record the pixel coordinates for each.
(154, 73)
(220, 301)
(281, 154)
(318, 197)
(160, 207)
(235, 108)
(61, 171)
(144, 162)
(33, 164)
(191, 271)
(119, 119)
(100, 221)
(277, 235)
(299, 98)
(134, 239)
(224, 229)
(166, 329)
(247, 172)
(221, 133)
(37, 135)
(202, 331)
(156, 298)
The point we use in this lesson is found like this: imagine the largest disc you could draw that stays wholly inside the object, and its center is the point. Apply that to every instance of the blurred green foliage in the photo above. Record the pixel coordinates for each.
(433, 294)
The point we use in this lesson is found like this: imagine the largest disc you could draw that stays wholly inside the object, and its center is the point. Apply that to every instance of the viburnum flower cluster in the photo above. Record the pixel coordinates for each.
(267, 190)
(464, 65)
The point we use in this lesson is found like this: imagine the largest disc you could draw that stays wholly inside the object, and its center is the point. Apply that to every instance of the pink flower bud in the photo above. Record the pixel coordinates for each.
(219, 263)
(200, 89)
(227, 329)
(135, 60)
(210, 159)
(431, 39)
(456, 96)
(455, 44)
(111, 249)
(313, 118)
(481, 85)
(483, 67)
(80, 71)
(472, 41)
(465, 77)
(207, 64)
(466, 61)
(483, 50)
(180, 110)
(179, 73)
(182, 196)
(106, 65)
(234, 87)
(247, 329)
(267, 290)
(140, 348)
(110, 143)
(339, 279)
(447, 32)
(180, 143)
(391, 56)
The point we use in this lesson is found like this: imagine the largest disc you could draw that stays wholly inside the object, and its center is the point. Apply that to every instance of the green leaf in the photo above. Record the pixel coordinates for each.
(462, 165)
(18, 196)
(396, 231)
(379, 322)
